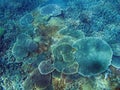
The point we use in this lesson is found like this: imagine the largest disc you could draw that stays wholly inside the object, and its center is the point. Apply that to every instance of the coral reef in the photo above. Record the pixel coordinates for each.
(59, 45)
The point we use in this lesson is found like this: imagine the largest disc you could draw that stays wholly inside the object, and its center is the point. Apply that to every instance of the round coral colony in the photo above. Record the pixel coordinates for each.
(46, 67)
(93, 55)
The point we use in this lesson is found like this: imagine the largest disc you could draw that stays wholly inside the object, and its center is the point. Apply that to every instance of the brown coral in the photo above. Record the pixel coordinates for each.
(59, 84)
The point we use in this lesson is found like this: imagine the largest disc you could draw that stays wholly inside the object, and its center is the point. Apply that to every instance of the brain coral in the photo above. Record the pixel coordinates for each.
(93, 55)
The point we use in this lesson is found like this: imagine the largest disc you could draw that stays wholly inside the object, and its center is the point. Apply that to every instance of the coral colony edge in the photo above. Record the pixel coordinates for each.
(59, 44)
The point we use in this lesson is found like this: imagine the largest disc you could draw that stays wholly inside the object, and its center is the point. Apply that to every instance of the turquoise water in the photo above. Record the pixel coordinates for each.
(59, 45)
